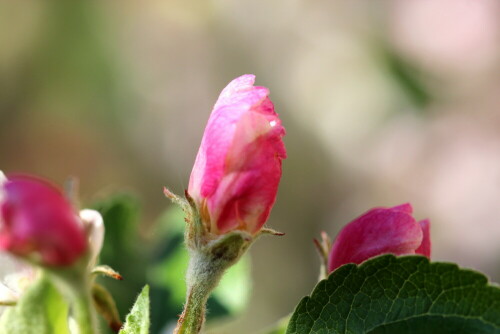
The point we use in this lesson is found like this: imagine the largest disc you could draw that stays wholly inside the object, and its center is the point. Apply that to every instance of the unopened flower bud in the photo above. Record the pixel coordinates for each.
(381, 231)
(236, 174)
(231, 191)
(37, 222)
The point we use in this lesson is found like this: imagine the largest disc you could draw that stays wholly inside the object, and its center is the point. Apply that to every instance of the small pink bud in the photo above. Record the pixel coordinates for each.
(236, 174)
(36, 220)
(381, 231)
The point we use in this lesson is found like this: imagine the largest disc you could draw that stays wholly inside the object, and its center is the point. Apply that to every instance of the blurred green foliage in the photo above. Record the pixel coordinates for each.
(407, 77)
(279, 327)
(123, 250)
(74, 60)
(41, 310)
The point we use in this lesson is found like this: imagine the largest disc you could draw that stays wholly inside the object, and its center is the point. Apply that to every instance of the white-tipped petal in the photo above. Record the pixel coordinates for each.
(7, 296)
(13, 285)
(3, 179)
(94, 224)
(19, 281)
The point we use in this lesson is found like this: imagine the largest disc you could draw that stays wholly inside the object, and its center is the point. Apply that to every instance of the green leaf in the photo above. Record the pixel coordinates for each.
(398, 295)
(137, 321)
(41, 310)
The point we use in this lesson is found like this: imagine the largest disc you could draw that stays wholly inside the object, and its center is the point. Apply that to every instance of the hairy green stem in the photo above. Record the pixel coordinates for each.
(193, 315)
(203, 275)
(207, 264)
(83, 313)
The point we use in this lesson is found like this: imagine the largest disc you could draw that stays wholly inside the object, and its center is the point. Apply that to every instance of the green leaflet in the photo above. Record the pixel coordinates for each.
(137, 321)
(41, 310)
(399, 295)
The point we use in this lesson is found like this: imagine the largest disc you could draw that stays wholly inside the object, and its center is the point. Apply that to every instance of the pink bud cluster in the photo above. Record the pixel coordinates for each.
(233, 184)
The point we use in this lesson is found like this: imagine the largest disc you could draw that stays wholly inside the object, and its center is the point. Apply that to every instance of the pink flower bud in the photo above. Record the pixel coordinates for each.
(238, 167)
(36, 220)
(381, 231)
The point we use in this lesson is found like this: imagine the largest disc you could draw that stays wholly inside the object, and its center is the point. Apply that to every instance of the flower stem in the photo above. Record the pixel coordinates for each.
(202, 277)
(83, 313)
(193, 315)
(207, 264)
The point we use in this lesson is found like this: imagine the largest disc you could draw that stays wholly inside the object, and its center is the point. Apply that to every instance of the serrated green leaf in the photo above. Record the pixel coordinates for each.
(137, 321)
(400, 295)
(41, 310)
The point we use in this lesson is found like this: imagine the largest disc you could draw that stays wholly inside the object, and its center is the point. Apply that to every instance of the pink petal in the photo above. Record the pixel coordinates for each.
(379, 231)
(238, 166)
(234, 88)
(235, 100)
(425, 246)
(245, 197)
(35, 217)
(406, 207)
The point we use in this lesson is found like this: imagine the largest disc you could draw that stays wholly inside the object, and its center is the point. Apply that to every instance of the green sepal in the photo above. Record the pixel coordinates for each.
(229, 247)
(106, 270)
(196, 233)
(106, 306)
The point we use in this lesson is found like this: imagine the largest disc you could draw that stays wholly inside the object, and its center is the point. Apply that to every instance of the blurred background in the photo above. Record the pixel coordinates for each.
(384, 103)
